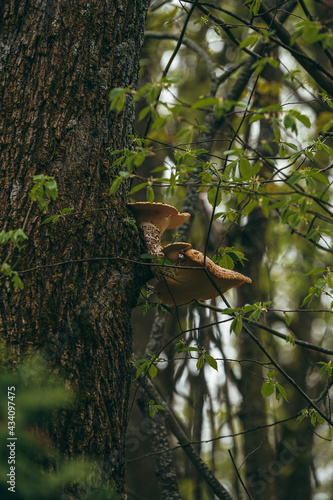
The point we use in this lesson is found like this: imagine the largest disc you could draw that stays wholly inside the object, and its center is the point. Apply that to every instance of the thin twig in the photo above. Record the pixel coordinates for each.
(173, 55)
(239, 476)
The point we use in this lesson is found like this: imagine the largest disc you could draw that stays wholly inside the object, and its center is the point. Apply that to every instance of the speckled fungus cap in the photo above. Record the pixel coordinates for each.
(193, 284)
(172, 250)
(160, 215)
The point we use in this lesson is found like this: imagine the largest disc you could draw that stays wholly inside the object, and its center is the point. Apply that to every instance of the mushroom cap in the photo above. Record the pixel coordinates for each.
(193, 284)
(161, 215)
(172, 250)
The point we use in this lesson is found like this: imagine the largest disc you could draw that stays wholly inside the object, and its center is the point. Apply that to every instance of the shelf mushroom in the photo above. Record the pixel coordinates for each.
(172, 251)
(186, 285)
(154, 219)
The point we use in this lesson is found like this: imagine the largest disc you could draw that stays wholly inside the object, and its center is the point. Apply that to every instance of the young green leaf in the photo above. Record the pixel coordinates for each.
(237, 325)
(280, 391)
(115, 185)
(150, 194)
(207, 101)
(200, 363)
(152, 371)
(245, 168)
(211, 361)
(267, 389)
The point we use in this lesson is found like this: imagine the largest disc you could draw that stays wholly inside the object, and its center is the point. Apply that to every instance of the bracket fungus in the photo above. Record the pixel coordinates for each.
(172, 251)
(154, 219)
(186, 285)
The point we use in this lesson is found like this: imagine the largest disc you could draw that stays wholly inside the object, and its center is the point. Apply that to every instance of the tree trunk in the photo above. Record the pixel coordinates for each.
(59, 60)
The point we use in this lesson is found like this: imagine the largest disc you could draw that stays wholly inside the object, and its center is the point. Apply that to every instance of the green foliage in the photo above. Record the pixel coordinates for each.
(6, 270)
(55, 218)
(132, 222)
(15, 237)
(45, 186)
(318, 288)
(272, 386)
(326, 369)
(153, 408)
(236, 324)
(40, 471)
(203, 356)
(262, 63)
(313, 415)
(228, 257)
(311, 33)
(147, 366)
(255, 309)
(254, 5)
(117, 97)
(290, 339)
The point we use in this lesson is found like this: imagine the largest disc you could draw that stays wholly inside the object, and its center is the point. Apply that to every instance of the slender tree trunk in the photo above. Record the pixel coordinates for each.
(59, 60)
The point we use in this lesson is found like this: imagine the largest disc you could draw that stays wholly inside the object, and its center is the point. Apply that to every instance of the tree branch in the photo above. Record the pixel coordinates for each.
(315, 70)
(218, 489)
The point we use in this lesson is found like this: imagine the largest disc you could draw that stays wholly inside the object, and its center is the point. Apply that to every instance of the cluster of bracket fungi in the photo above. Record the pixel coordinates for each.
(192, 276)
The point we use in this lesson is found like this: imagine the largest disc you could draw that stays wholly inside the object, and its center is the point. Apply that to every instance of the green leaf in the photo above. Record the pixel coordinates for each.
(295, 177)
(226, 261)
(318, 270)
(6, 269)
(152, 371)
(51, 189)
(18, 284)
(245, 168)
(249, 42)
(214, 192)
(143, 113)
(152, 411)
(301, 417)
(147, 256)
(320, 283)
(290, 339)
(287, 319)
(190, 349)
(230, 310)
(180, 346)
(319, 176)
(255, 118)
(292, 146)
(207, 101)
(267, 389)
(115, 93)
(237, 325)
(200, 363)
(328, 149)
(255, 315)
(300, 117)
(280, 390)
(289, 122)
(150, 194)
(276, 130)
(211, 361)
(326, 369)
(249, 207)
(313, 234)
(282, 151)
(115, 185)
(307, 300)
(137, 188)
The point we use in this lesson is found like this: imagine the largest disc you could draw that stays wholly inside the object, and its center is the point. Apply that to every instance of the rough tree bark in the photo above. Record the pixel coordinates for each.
(58, 61)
